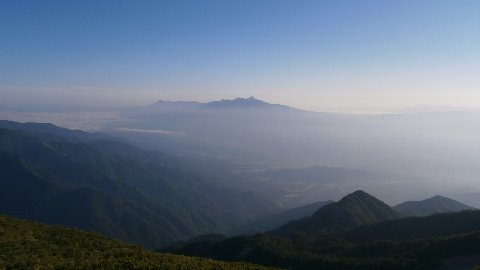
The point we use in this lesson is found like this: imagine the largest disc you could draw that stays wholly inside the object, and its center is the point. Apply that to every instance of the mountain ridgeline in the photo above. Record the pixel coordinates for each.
(434, 205)
(443, 241)
(358, 232)
(84, 180)
(353, 210)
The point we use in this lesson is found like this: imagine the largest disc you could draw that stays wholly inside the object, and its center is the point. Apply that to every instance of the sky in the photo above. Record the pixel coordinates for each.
(336, 55)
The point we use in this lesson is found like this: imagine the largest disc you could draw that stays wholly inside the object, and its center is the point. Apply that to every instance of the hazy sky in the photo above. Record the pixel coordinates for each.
(320, 55)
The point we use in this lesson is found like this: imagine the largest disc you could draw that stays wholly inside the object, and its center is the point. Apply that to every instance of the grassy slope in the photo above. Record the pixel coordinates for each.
(30, 245)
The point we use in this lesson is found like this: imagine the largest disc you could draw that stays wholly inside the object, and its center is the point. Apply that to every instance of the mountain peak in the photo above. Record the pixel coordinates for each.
(434, 205)
(359, 193)
(358, 196)
(355, 209)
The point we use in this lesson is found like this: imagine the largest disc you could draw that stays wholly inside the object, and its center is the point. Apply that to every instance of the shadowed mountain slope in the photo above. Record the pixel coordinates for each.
(114, 189)
(353, 210)
(434, 205)
(441, 241)
(409, 228)
(268, 223)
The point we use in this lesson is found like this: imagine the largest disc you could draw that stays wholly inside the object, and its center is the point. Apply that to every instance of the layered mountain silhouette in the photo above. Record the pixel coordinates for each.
(358, 232)
(434, 205)
(437, 225)
(432, 242)
(355, 209)
(112, 188)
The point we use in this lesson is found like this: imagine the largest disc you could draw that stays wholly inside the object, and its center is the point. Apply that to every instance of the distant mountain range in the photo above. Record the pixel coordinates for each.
(434, 205)
(237, 103)
(83, 180)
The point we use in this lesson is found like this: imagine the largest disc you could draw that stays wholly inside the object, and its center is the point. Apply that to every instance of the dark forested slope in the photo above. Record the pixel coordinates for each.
(113, 188)
(443, 241)
(353, 210)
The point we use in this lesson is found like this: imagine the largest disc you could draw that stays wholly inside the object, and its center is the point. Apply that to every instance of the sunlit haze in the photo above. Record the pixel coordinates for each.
(240, 134)
(347, 56)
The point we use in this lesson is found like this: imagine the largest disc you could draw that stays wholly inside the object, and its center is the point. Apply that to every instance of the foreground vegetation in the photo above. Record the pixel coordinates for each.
(30, 245)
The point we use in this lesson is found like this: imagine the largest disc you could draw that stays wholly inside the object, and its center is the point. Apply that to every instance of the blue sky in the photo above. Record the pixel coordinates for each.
(321, 55)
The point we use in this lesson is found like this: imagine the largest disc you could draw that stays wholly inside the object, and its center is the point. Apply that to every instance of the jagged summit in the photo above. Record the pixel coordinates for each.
(237, 103)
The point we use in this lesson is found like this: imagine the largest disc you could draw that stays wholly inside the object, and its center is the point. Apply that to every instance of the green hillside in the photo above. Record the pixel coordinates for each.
(30, 245)
(353, 210)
